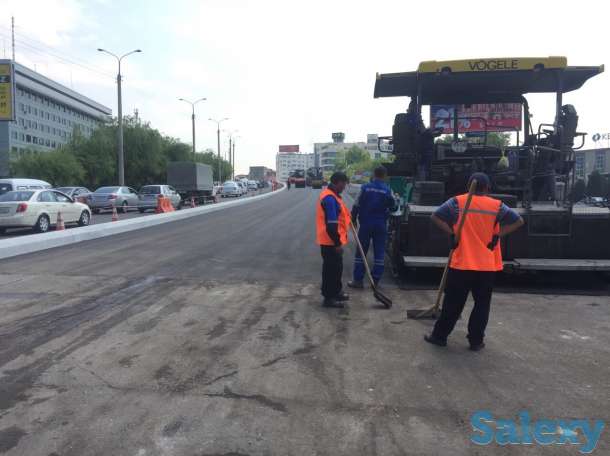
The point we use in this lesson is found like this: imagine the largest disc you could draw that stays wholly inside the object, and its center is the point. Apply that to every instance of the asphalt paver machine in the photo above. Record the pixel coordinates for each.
(536, 175)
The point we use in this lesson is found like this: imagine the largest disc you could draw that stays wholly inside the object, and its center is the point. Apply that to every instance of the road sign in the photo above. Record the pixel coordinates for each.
(604, 137)
(7, 91)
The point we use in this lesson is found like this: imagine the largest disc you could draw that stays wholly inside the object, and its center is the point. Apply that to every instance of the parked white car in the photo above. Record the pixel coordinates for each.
(38, 209)
(252, 185)
(230, 188)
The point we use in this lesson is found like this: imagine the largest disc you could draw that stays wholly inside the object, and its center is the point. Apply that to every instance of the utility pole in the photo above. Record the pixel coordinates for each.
(233, 160)
(193, 103)
(218, 122)
(121, 156)
(230, 149)
(13, 35)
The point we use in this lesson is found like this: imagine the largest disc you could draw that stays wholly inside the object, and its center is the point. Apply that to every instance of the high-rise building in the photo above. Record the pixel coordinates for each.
(46, 114)
(327, 152)
(289, 158)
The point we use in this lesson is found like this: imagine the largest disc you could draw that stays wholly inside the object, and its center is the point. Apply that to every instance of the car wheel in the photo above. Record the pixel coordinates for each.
(84, 219)
(2, 231)
(42, 224)
(141, 210)
(179, 206)
(95, 211)
(124, 207)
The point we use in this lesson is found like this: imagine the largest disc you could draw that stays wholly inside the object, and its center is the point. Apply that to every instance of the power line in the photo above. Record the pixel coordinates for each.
(32, 43)
(39, 51)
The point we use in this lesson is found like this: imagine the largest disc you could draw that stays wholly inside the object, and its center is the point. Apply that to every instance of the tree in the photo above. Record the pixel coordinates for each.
(209, 157)
(57, 167)
(497, 139)
(91, 161)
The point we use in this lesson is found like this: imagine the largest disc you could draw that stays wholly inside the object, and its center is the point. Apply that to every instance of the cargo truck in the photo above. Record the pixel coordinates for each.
(193, 181)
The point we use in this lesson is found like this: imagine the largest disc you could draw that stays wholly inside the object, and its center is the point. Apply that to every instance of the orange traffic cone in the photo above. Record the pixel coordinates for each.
(115, 214)
(192, 201)
(60, 222)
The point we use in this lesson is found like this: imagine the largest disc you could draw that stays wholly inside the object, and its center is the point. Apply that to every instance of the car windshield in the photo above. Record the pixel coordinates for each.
(107, 190)
(229, 184)
(16, 196)
(5, 188)
(150, 190)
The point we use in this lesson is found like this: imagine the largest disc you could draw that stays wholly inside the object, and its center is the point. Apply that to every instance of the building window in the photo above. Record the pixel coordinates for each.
(600, 160)
(580, 165)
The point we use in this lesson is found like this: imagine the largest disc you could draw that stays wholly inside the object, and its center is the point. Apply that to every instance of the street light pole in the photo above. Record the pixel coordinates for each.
(121, 156)
(193, 103)
(218, 122)
(231, 148)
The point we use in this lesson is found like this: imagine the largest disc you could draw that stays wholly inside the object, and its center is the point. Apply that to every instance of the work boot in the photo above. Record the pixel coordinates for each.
(435, 341)
(477, 347)
(355, 284)
(331, 302)
(343, 296)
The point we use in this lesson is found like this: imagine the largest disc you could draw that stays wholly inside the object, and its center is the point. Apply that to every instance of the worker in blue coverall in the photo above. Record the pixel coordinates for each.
(371, 209)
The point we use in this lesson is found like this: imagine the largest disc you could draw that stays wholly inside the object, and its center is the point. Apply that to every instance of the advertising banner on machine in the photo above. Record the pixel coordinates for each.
(290, 148)
(7, 91)
(477, 117)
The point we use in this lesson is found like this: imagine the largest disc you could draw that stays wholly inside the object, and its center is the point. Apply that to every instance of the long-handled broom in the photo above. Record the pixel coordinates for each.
(433, 312)
(379, 296)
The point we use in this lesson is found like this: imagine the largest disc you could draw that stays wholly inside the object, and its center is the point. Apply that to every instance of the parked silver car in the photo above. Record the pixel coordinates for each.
(149, 193)
(123, 198)
(79, 194)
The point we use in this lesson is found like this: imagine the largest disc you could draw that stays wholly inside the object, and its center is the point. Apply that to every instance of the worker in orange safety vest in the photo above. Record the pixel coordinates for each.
(332, 224)
(476, 259)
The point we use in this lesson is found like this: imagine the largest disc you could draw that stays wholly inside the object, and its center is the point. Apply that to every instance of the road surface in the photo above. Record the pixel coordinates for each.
(207, 338)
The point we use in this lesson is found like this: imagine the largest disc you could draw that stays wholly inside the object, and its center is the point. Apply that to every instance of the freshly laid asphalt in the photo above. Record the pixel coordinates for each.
(206, 337)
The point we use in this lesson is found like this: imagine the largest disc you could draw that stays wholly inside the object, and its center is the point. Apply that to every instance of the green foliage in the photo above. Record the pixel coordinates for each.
(56, 167)
(497, 139)
(209, 157)
(355, 161)
(92, 161)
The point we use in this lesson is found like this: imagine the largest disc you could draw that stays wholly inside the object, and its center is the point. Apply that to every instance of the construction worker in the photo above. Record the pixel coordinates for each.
(372, 208)
(476, 259)
(288, 184)
(332, 224)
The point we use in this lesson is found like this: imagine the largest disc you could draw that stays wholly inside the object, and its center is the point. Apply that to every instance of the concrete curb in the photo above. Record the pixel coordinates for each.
(37, 242)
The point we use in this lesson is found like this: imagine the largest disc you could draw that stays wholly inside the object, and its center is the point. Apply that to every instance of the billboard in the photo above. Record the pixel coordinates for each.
(477, 117)
(7, 91)
(290, 148)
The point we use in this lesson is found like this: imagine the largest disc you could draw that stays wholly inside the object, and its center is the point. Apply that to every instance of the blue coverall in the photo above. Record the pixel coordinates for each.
(372, 208)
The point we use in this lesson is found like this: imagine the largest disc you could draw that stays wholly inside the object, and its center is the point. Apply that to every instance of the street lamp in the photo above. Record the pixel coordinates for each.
(233, 160)
(121, 157)
(231, 148)
(193, 103)
(218, 122)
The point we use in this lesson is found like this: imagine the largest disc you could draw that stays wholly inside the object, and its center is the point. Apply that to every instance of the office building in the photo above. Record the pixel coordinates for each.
(46, 115)
(591, 159)
(327, 152)
(289, 158)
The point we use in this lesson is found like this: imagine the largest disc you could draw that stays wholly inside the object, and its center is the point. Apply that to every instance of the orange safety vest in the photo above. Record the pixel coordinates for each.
(344, 219)
(472, 253)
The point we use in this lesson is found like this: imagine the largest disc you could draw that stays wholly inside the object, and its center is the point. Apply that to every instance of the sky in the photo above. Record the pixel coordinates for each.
(288, 72)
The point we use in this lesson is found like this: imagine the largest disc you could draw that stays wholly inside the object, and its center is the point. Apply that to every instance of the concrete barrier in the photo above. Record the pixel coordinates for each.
(37, 242)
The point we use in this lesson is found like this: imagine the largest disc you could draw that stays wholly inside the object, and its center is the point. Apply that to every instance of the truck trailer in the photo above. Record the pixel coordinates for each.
(193, 181)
